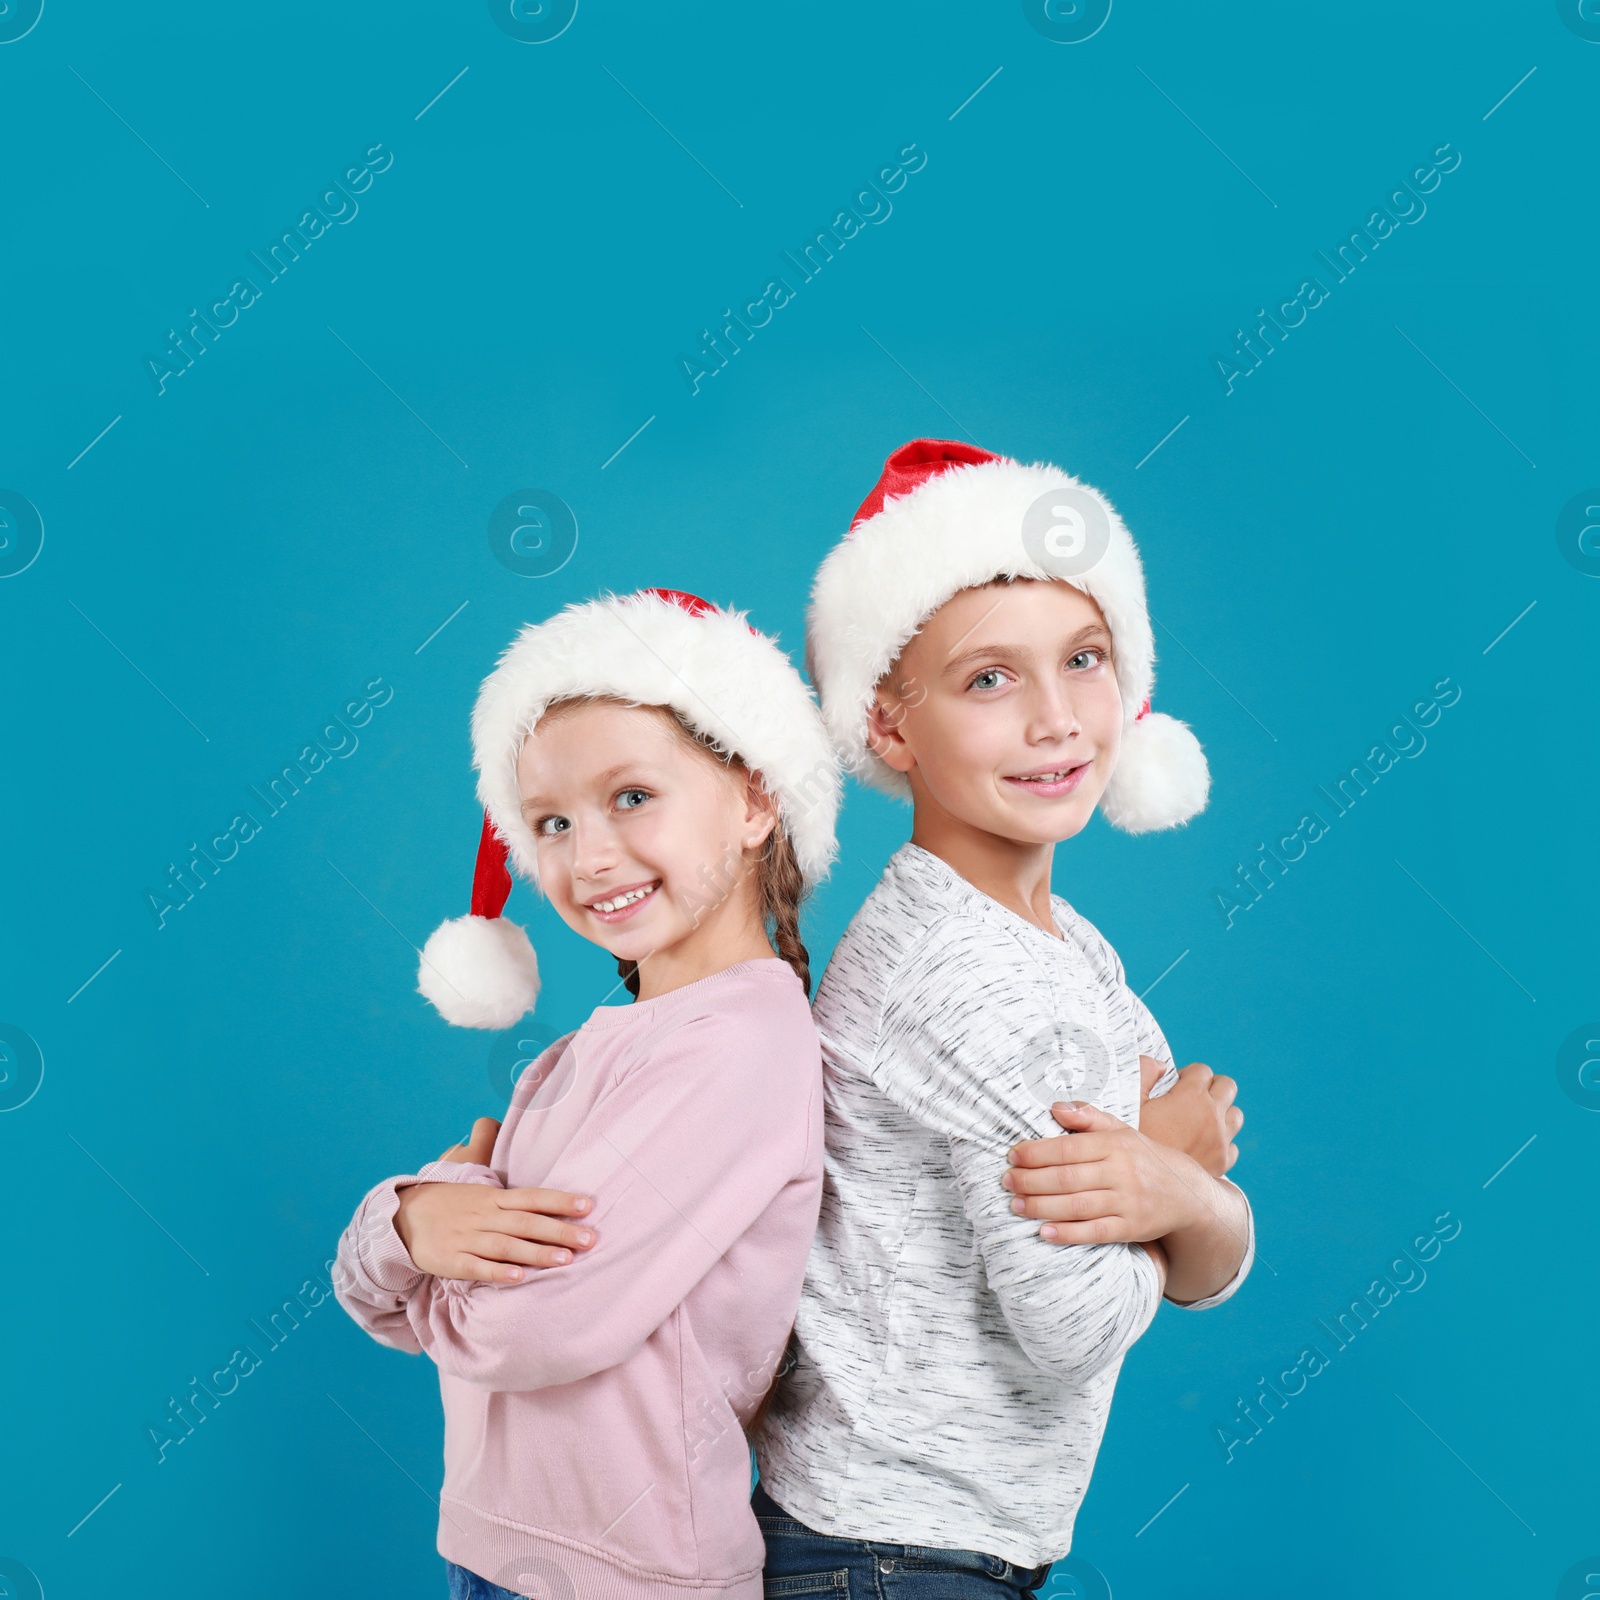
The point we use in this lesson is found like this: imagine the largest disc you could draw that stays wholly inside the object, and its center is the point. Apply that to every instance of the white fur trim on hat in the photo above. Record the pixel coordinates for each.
(479, 972)
(1161, 776)
(965, 526)
(724, 679)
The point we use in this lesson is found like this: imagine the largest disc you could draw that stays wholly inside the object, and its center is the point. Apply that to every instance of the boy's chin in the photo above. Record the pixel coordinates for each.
(1054, 830)
(1042, 823)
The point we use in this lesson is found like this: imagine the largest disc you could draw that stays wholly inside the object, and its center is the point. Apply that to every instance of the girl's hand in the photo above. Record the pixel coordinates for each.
(1196, 1115)
(485, 1234)
(480, 1143)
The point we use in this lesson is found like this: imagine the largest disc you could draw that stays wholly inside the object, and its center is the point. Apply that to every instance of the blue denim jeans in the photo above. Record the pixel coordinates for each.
(465, 1585)
(801, 1562)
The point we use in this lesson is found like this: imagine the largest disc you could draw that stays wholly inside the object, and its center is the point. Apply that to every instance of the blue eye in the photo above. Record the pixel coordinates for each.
(1099, 656)
(549, 827)
(632, 799)
(989, 678)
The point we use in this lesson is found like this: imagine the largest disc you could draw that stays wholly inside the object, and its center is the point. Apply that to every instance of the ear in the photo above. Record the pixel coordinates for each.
(760, 812)
(885, 724)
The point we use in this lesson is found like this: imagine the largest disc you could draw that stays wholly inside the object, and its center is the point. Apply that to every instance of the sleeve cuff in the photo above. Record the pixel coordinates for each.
(1227, 1290)
(455, 1172)
(380, 1251)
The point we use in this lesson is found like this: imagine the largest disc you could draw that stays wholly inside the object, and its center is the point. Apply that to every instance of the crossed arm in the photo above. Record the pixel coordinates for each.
(669, 1141)
(1103, 1181)
(1102, 1184)
(475, 1231)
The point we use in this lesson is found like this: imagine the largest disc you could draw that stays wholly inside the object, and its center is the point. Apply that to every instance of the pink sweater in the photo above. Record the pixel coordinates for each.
(593, 1442)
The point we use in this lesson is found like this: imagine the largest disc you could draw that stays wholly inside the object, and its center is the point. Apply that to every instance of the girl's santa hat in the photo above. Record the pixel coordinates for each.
(946, 517)
(659, 647)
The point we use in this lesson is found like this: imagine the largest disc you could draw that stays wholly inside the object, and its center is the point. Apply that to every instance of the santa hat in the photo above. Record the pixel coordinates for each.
(659, 647)
(946, 517)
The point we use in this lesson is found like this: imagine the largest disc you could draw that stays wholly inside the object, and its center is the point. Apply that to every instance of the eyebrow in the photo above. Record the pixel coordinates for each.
(1006, 652)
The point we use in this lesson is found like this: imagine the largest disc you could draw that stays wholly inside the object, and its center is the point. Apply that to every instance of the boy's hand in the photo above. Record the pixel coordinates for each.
(1104, 1182)
(483, 1233)
(1196, 1115)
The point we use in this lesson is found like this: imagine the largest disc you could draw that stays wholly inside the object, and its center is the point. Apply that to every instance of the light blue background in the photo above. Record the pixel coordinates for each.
(239, 556)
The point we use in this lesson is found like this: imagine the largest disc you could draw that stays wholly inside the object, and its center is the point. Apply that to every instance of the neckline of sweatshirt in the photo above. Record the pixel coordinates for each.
(645, 1011)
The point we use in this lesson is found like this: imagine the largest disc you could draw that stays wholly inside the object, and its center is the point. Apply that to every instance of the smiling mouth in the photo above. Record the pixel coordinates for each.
(1061, 780)
(620, 905)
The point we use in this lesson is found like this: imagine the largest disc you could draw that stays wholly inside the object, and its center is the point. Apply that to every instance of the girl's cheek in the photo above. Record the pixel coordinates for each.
(554, 881)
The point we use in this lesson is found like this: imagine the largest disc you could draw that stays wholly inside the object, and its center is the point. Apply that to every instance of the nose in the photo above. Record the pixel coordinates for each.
(594, 849)
(1052, 712)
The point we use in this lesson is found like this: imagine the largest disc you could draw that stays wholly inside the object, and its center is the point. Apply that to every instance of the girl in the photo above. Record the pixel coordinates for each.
(659, 771)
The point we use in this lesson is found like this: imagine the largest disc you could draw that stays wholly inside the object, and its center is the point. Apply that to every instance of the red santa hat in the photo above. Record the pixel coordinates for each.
(946, 517)
(658, 647)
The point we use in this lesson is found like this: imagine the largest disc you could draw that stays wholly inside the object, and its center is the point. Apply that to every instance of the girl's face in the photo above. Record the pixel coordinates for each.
(1003, 711)
(643, 838)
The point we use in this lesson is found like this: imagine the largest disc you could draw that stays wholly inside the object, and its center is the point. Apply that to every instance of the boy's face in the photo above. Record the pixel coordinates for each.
(1003, 711)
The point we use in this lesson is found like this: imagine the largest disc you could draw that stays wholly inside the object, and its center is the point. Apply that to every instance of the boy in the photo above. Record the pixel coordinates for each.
(980, 642)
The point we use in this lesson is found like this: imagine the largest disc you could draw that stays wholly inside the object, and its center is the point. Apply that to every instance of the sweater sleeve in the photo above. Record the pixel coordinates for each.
(373, 1274)
(1108, 964)
(683, 1152)
(1153, 1043)
(965, 1016)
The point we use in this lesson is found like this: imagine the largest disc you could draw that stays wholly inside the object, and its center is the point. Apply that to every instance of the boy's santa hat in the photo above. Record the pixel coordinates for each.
(658, 647)
(946, 517)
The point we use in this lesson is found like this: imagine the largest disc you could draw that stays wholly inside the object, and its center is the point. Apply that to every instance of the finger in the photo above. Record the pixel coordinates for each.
(1097, 1230)
(1060, 1151)
(1079, 1207)
(1079, 1116)
(527, 1252)
(520, 1258)
(1197, 1072)
(1223, 1089)
(556, 1202)
(480, 1145)
(474, 1269)
(1059, 1179)
(1039, 1152)
(456, 1152)
(1234, 1121)
(1232, 1156)
(488, 1269)
(520, 1226)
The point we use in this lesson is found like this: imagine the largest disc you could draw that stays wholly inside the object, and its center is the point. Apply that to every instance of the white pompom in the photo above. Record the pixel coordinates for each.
(479, 972)
(1161, 777)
